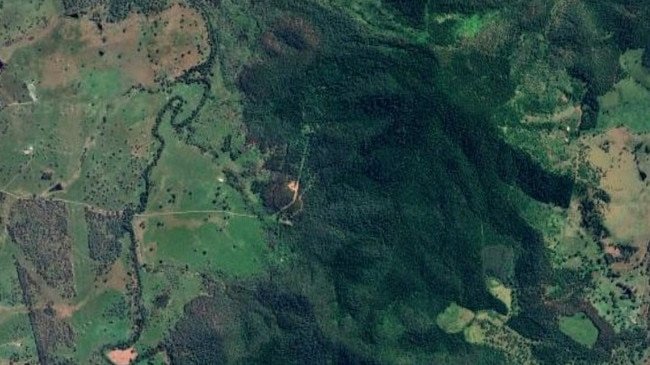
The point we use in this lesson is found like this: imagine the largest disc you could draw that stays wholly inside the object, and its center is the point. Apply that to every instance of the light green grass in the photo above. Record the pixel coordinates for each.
(82, 263)
(190, 181)
(10, 292)
(111, 172)
(181, 287)
(238, 249)
(20, 17)
(102, 320)
(627, 103)
(580, 328)
(454, 318)
(16, 338)
(470, 26)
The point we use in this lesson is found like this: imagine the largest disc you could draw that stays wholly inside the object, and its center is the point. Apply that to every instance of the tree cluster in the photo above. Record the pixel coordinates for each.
(40, 228)
(104, 234)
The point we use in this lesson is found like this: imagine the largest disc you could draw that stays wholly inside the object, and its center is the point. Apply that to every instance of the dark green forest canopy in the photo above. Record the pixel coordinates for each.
(411, 186)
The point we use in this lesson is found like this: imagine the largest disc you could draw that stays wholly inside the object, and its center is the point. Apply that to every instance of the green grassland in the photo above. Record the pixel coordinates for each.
(454, 318)
(580, 328)
(167, 289)
(10, 293)
(627, 103)
(19, 18)
(91, 130)
(195, 218)
(102, 320)
(120, 150)
(16, 338)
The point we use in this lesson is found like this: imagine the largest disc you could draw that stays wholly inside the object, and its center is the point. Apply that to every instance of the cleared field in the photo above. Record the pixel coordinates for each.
(621, 293)
(580, 328)
(82, 102)
(627, 103)
(16, 338)
(196, 218)
(22, 20)
(102, 320)
(74, 307)
(455, 318)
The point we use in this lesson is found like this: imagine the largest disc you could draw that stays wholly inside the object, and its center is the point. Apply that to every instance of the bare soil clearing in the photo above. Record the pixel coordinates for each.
(122, 357)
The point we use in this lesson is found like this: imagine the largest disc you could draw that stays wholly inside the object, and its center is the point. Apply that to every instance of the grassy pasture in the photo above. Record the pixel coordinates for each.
(20, 19)
(580, 328)
(16, 338)
(82, 264)
(117, 153)
(10, 292)
(196, 218)
(90, 129)
(238, 249)
(158, 359)
(454, 319)
(166, 292)
(102, 320)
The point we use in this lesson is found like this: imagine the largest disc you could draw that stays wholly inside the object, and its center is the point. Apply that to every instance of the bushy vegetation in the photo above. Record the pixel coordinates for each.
(40, 228)
(50, 333)
(119, 9)
(104, 234)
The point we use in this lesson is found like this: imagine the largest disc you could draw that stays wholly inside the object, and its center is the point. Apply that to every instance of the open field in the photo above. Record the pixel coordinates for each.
(579, 328)
(22, 21)
(88, 307)
(621, 293)
(627, 105)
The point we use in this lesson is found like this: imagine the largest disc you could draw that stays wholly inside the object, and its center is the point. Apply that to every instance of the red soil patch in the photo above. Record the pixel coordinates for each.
(64, 310)
(123, 357)
(611, 250)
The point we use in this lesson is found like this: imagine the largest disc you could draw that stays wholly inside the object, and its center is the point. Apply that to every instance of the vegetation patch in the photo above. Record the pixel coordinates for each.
(196, 217)
(454, 318)
(40, 228)
(166, 290)
(22, 19)
(101, 320)
(500, 292)
(104, 233)
(16, 336)
(580, 328)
